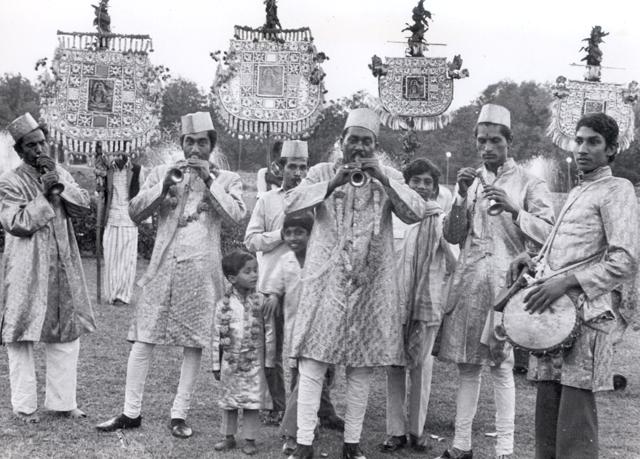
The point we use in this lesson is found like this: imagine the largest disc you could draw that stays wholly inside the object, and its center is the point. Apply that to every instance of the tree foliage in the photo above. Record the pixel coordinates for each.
(17, 96)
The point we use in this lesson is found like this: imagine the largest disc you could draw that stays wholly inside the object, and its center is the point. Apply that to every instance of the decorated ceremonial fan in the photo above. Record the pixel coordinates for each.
(415, 90)
(573, 99)
(104, 93)
(270, 82)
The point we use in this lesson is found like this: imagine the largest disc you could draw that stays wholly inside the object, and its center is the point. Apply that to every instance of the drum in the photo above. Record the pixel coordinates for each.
(540, 333)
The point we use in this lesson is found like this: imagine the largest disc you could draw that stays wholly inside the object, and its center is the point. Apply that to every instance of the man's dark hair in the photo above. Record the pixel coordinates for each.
(45, 130)
(604, 125)
(212, 134)
(504, 130)
(302, 219)
(420, 166)
(233, 262)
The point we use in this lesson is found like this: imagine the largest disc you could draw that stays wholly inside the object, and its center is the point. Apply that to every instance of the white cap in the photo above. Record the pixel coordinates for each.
(495, 114)
(21, 126)
(294, 149)
(364, 118)
(193, 123)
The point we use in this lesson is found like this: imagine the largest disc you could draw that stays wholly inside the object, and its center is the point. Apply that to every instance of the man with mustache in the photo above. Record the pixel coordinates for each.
(488, 244)
(264, 234)
(348, 313)
(44, 296)
(184, 277)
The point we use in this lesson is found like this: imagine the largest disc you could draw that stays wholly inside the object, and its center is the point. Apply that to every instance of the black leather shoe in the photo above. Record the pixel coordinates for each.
(416, 444)
(455, 453)
(120, 422)
(180, 429)
(352, 451)
(302, 452)
(332, 422)
(393, 443)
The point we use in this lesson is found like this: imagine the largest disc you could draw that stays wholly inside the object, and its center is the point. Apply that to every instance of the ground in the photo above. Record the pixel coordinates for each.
(101, 376)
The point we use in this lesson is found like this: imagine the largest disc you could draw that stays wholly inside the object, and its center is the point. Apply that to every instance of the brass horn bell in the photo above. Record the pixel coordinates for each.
(176, 175)
(358, 178)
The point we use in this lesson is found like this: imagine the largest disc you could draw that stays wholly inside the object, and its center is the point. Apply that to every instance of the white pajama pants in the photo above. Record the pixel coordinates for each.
(61, 376)
(419, 392)
(137, 369)
(120, 257)
(310, 388)
(504, 393)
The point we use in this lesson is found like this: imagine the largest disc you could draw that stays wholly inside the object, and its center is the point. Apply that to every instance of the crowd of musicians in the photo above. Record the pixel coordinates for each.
(323, 285)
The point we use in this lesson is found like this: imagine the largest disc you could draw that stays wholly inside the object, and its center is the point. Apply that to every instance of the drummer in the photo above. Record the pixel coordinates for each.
(488, 244)
(598, 224)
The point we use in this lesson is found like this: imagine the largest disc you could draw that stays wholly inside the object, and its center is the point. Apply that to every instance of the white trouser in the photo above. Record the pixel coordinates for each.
(310, 388)
(504, 392)
(419, 393)
(62, 362)
(120, 257)
(137, 368)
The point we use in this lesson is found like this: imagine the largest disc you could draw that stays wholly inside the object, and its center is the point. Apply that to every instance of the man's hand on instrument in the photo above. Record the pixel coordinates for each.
(465, 178)
(49, 179)
(372, 167)
(501, 197)
(341, 178)
(542, 296)
(271, 306)
(47, 163)
(199, 167)
(515, 267)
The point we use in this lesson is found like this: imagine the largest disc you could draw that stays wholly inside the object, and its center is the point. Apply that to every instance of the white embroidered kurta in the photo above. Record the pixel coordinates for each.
(263, 233)
(184, 278)
(601, 219)
(243, 344)
(489, 243)
(43, 296)
(348, 313)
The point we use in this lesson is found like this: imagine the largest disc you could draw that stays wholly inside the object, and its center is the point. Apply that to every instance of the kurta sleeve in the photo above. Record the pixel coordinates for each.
(227, 198)
(406, 203)
(275, 282)
(536, 219)
(150, 197)
(75, 198)
(20, 217)
(308, 194)
(216, 355)
(257, 238)
(619, 213)
(270, 342)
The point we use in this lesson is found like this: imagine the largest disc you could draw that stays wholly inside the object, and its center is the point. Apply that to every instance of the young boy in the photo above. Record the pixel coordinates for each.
(425, 259)
(283, 289)
(243, 345)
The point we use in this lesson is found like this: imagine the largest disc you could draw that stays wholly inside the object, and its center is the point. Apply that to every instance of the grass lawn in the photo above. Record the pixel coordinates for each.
(102, 368)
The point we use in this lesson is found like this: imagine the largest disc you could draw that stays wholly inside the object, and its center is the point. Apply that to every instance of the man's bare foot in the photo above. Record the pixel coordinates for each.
(31, 418)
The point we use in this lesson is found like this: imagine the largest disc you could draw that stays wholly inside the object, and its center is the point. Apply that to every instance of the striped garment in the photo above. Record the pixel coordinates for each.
(120, 244)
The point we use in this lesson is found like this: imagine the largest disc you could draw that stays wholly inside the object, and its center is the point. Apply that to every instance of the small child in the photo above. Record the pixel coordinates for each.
(283, 288)
(243, 345)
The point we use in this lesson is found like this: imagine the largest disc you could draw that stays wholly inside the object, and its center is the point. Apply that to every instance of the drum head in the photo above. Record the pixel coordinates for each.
(539, 332)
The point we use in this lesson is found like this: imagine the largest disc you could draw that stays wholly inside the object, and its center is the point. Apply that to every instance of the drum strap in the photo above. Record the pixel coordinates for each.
(546, 248)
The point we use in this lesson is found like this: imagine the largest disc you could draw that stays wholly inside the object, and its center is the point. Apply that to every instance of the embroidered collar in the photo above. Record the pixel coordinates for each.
(508, 165)
(604, 171)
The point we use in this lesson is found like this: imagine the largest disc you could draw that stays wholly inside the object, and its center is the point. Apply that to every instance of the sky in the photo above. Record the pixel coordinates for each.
(497, 39)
